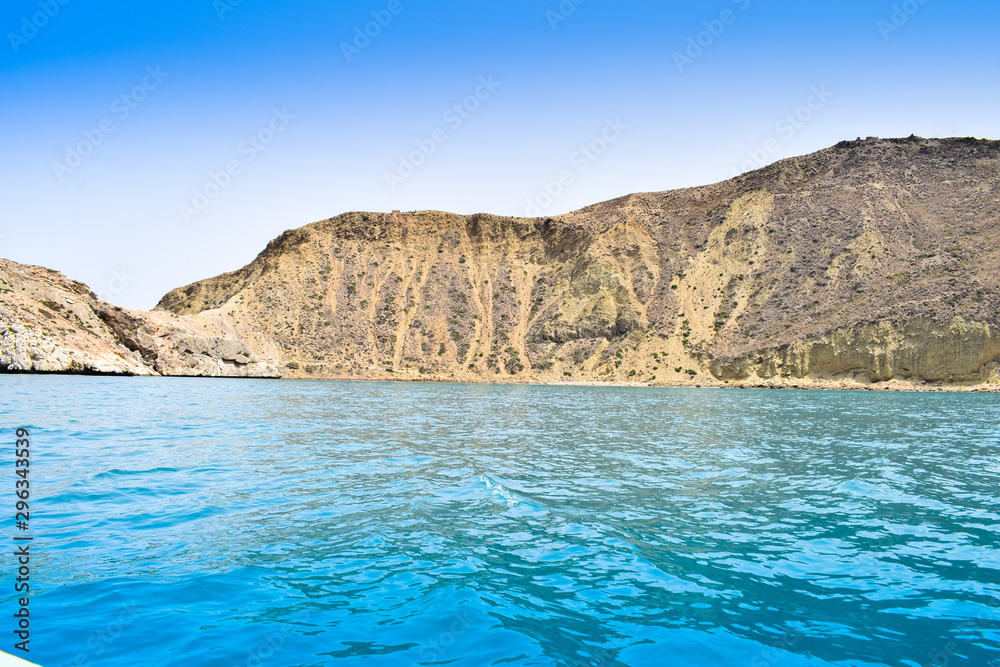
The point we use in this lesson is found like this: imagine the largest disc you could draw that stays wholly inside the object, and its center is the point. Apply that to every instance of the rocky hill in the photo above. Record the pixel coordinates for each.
(873, 260)
(51, 324)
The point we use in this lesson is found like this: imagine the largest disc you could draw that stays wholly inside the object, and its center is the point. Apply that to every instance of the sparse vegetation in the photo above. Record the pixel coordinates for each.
(814, 268)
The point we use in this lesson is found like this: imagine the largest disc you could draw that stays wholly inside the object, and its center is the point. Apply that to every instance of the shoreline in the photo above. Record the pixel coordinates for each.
(786, 384)
(810, 384)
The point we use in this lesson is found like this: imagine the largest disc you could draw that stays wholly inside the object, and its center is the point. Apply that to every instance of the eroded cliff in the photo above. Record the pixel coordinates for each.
(52, 324)
(872, 260)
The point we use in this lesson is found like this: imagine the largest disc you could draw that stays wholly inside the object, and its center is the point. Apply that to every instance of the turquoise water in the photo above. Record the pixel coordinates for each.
(252, 523)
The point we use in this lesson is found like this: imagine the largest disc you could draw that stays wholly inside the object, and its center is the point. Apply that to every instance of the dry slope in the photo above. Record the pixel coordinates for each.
(51, 324)
(874, 258)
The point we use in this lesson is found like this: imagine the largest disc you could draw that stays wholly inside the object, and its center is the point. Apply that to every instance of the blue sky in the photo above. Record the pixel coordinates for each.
(150, 146)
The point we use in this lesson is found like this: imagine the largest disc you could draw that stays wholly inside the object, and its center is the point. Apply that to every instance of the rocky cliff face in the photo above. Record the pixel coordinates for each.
(873, 259)
(51, 324)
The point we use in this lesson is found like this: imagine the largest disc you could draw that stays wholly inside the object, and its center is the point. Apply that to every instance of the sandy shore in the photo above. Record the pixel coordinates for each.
(824, 384)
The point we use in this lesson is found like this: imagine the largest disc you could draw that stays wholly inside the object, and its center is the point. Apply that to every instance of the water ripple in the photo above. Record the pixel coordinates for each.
(186, 522)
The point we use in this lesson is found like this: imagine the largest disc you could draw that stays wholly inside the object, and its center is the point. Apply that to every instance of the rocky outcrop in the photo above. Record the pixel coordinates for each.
(199, 346)
(872, 259)
(876, 261)
(957, 352)
(51, 324)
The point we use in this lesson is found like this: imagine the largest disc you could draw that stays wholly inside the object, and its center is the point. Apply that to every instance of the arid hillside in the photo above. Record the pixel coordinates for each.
(871, 260)
(50, 324)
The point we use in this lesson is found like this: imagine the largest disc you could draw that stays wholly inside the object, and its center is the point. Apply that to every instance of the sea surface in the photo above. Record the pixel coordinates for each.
(280, 523)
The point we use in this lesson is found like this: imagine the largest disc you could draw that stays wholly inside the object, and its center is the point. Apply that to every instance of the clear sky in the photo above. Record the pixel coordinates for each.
(149, 145)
